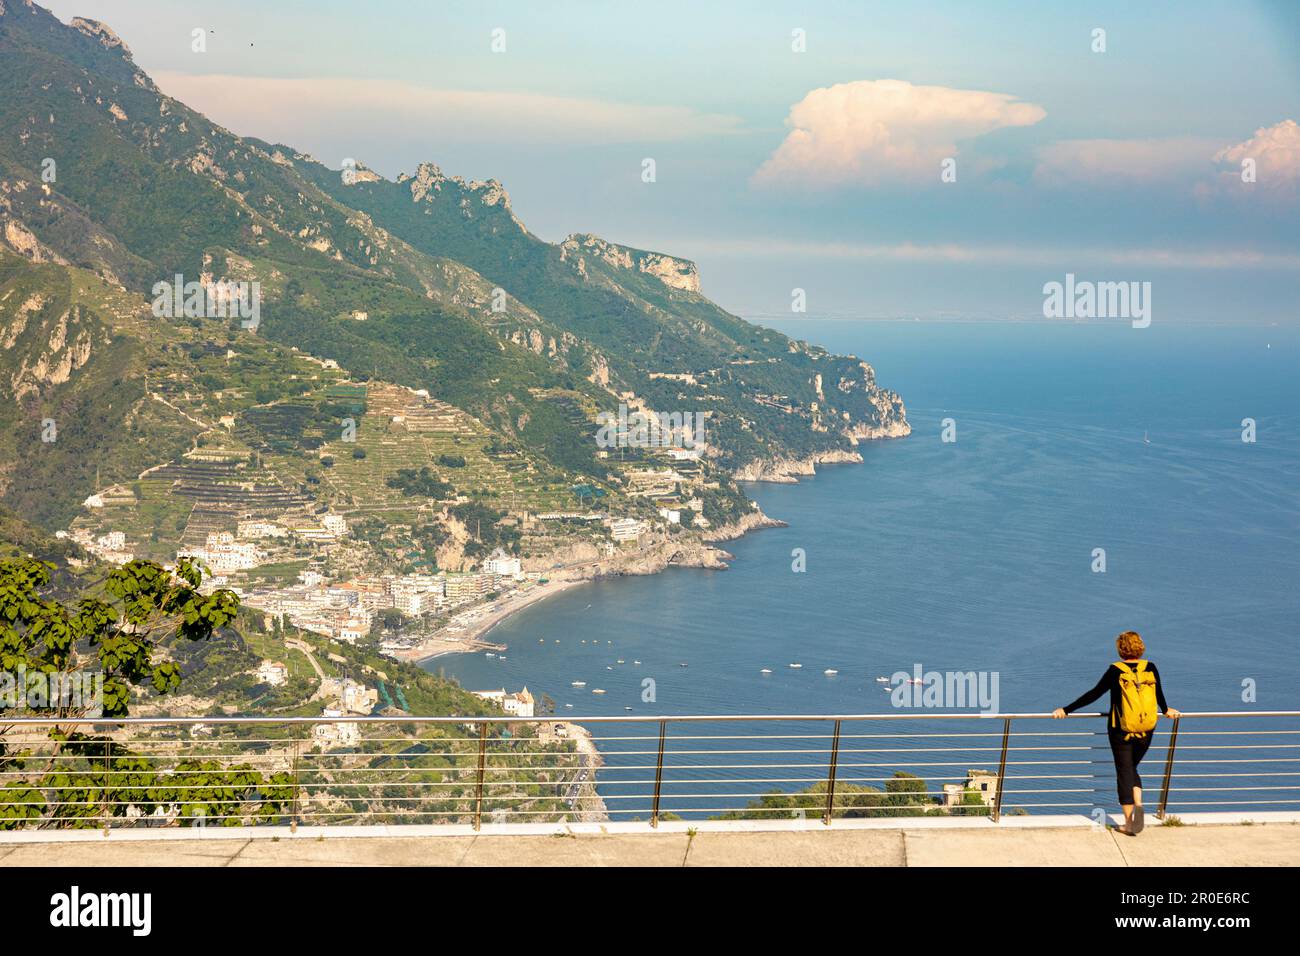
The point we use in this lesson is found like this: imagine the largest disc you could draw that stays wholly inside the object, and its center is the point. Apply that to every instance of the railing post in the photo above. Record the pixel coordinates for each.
(830, 780)
(659, 774)
(482, 765)
(1002, 770)
(105, 791)
(293, 818)
(1169, 770)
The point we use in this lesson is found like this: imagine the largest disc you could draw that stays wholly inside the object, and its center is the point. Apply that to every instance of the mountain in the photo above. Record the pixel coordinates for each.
(421, 311)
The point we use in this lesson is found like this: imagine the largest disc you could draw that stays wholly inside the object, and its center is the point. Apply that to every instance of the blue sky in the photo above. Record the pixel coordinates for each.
(820, 169)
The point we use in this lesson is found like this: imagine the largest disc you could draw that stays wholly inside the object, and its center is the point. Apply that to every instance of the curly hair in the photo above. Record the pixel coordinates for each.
(1130, 646)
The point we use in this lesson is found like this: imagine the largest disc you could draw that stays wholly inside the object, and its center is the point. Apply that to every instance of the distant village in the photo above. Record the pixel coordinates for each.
(347, 610)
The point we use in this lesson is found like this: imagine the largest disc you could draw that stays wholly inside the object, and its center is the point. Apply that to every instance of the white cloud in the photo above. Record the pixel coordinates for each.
(297, 110)
(1275, 151)
(1207, 166)
(1143, 162)
(875, 131)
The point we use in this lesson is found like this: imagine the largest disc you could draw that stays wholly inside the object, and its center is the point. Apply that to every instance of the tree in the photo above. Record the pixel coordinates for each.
(86, 779)
(117, 633)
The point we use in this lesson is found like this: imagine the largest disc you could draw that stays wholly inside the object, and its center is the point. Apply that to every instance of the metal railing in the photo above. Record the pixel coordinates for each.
(311, 771)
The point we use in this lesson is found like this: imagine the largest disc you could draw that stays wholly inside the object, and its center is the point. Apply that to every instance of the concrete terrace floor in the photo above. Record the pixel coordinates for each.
(1204, 844)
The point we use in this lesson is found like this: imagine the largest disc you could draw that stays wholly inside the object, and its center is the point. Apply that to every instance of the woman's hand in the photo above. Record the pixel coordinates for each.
(1058, 713)
(1171, 713)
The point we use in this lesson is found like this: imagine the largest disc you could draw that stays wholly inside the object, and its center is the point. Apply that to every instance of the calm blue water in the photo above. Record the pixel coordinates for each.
(977, 555)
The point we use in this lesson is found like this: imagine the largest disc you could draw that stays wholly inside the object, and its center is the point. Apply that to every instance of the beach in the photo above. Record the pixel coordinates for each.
(472, 625)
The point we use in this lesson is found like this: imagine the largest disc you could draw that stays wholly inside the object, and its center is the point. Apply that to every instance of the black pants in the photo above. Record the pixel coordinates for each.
(1128, 754)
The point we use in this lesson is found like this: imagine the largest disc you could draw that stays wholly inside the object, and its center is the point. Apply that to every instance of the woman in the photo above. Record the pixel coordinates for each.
(1132, 720)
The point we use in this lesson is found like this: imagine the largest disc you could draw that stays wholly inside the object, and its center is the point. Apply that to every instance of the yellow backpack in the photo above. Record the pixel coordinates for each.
(1137, 699)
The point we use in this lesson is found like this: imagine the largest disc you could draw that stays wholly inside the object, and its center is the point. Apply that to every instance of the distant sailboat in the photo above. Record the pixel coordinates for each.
(1146, 440)
(830, 672)
(766, 670)
(796, 666)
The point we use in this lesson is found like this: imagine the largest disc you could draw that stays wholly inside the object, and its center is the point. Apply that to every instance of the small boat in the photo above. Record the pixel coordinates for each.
(882, 680)
(578, 683)
(490, 654)
(796, 666)
(608, 668)
(597, 690)
(568, 705)
(541, 640)
(681, 663)
(627, 708)
(620, 661)
(887, 689)
(557, 641)
(636, 662)
(1145, 439)
(915, 680)
(501, 657)
(766, 670)
(830, 672)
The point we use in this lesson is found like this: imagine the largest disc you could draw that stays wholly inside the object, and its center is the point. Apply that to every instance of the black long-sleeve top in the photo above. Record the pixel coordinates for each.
(1110, 682)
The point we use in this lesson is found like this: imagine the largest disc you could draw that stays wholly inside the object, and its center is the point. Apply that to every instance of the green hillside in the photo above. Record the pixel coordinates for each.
(473, 341)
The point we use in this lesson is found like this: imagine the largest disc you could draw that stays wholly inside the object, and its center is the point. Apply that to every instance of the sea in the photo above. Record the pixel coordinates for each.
(1063, 482)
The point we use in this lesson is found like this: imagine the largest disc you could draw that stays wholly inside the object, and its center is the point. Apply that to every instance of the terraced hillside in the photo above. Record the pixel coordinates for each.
(403, 326)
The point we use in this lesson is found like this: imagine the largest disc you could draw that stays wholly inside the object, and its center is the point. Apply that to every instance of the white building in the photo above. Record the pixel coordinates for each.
(274, 673)
(352, 697)
(353, 629)
(516, 705)
(626, 529)
(113, 541)
(503, 565)
(252, 530)
(222, 553)
(670, 515)
(336, 525)
(335, 735)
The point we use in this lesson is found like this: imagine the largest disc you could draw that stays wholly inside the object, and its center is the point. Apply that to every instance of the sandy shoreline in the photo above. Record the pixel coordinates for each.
(469, 639)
